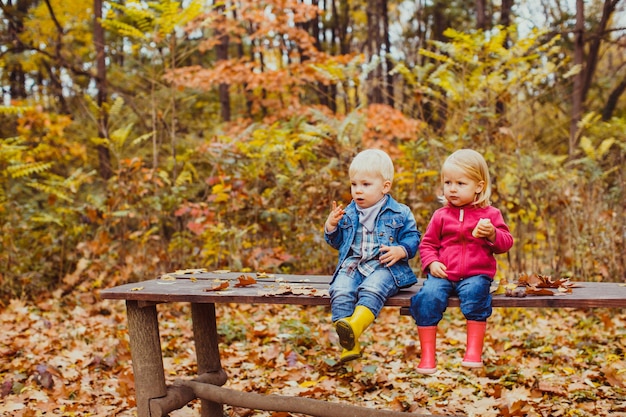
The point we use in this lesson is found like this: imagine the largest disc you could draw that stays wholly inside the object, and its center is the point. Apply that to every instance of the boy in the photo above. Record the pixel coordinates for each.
(376, 237)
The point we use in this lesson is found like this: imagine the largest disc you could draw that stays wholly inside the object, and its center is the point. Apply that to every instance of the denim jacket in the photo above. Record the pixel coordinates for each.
(395, 225)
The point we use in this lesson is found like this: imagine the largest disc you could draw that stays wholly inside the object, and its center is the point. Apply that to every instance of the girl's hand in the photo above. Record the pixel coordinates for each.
(485, 229)
(389, 255)
(336, 213)
(438, 270)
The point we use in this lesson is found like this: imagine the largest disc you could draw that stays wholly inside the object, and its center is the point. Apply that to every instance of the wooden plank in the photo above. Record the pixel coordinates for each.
(260, 277)
(585, 295)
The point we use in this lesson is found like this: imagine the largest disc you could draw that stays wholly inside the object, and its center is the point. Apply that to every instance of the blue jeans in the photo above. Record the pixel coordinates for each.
(351, 289)
(428, 305)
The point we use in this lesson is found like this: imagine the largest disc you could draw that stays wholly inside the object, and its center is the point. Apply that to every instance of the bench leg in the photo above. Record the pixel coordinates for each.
(145, 350)
(207, 350)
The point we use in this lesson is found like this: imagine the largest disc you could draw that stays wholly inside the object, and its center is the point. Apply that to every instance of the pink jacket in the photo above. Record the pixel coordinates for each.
(448, 239)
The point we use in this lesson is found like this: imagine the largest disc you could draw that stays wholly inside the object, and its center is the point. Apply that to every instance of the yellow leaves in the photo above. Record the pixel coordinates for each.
(593, 152)
(221, 192)
(154, 22)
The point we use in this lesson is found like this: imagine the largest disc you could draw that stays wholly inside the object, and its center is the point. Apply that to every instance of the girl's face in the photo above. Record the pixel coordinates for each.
(459, 189)
(367, 189)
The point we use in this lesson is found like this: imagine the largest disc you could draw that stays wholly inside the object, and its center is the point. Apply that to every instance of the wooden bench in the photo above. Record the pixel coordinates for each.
(155, 398)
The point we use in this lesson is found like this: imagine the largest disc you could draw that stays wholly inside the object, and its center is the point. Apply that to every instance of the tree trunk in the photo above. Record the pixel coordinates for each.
(577, 92)
(505, 12)
(221, 52)
(374, 78)
(588, 64)
(594, 46)
(390, 99)
(101, 86)
(17, 78)
(611, 102)
(481, 14)
(505, 20)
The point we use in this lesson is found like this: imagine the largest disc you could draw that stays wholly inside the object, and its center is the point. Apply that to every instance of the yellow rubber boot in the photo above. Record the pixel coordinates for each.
(349, 355)
(350, 328)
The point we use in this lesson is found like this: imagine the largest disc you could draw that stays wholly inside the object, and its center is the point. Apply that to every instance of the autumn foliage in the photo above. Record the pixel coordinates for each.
(217, 135)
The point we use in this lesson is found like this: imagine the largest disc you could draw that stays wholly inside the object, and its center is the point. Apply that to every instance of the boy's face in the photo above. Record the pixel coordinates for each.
(367, 189)
(458, 188)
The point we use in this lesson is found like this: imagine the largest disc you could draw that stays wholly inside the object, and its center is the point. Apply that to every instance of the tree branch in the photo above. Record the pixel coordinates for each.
(301, 405)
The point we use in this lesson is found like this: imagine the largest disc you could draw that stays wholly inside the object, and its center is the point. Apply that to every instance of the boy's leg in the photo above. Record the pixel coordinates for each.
(372, 295)
(343, 294)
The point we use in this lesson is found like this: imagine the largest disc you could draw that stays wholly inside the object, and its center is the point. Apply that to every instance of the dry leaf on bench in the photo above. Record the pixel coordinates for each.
(244, 281)
(218, 285)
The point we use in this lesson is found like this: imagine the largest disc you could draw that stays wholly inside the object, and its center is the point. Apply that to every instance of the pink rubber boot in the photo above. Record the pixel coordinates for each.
(475, 338)
(428, 341)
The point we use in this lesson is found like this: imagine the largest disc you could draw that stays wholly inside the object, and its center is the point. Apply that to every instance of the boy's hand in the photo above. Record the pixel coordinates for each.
(336, 213)
(389, 255)
(438, 270)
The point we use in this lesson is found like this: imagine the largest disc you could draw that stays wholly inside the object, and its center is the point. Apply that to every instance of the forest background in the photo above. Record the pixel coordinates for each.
(138, 138)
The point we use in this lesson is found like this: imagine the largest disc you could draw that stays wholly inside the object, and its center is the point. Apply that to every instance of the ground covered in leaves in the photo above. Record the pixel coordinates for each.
(70, 357)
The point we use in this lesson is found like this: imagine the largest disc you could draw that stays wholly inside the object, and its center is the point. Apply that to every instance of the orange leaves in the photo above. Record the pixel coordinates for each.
(295, 289)
(221, 284)
(386, 124)
(218, 285)
(537, 284)
(543, 281)
(244, 281)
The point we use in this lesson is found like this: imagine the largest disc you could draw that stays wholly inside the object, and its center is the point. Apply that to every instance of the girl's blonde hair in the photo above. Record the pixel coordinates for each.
(372, 161)
(475, 166)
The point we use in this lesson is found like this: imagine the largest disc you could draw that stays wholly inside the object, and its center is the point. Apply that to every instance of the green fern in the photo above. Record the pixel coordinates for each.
(46, 218)
(123, 29)
(28, 169)
(51, 190)
(158, 21)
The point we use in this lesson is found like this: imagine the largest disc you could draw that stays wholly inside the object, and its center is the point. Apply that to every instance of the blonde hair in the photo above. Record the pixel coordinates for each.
(372, 161)
(475, 166)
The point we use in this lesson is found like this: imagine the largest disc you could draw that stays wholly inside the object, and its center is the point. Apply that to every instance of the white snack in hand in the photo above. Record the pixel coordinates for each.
(480, 221)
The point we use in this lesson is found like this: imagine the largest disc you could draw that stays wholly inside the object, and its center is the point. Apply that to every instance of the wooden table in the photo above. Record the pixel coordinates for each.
(155, 398)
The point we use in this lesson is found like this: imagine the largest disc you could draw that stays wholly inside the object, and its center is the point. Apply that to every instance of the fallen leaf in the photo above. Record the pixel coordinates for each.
(244, 281)
(190, 271)
(538, 291)
(218, 286)
(168, 277)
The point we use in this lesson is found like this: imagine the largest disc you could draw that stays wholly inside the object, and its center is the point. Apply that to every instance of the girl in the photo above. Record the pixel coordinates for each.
(457, 253)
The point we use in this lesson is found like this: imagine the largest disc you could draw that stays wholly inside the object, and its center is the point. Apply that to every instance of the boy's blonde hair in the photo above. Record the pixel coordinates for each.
(372, 161)
(475, 166)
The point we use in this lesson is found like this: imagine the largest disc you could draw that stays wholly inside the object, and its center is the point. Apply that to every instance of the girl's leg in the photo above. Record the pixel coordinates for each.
(428, 305)
(475, 299)
(427, 308)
